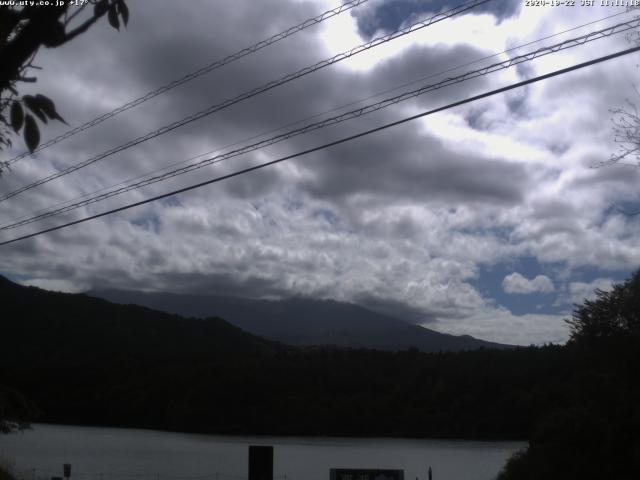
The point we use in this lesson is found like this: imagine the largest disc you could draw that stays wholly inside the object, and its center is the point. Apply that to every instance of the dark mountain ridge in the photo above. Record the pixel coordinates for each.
(304, 321)
(92, 328)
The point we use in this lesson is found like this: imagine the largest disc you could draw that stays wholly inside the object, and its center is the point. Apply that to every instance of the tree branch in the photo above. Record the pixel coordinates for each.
(77, 31)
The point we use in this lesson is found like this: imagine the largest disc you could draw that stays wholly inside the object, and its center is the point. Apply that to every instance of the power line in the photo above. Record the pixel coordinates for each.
(251, 93)
(570, 43)
(33, 215)
(341, 118)
(333, 143)
(197, 73)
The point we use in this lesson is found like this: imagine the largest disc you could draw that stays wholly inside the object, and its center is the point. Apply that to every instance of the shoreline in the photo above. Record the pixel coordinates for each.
(485, 439)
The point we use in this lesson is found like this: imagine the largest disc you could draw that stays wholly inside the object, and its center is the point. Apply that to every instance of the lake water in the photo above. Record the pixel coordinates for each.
(125, 454)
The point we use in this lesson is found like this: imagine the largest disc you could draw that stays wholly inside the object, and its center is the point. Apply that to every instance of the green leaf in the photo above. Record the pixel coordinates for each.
(48, 107)
(123, 10)
(17, 116)
(31, 133)
(33, 105)
(113, 17)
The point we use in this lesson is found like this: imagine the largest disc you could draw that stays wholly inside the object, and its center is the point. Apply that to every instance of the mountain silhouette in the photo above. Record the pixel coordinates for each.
(45, 324)
(303, 321)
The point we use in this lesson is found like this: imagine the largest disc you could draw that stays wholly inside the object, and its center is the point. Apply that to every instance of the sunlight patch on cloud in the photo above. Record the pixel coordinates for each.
(55, 285)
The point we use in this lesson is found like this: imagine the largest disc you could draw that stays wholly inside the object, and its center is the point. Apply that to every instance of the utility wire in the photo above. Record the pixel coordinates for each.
(297, 122)
(197, 73)
(333, 143)
(251, 93)
(570, 43)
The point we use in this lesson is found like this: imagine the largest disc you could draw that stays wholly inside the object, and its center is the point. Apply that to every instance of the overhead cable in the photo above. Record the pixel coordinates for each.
(359, 112)
(195, 74)
(331, 144)
(251, 93)
(311, 117)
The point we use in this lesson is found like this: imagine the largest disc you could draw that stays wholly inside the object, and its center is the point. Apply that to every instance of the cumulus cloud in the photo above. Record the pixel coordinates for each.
(581, 291)
(516, 283)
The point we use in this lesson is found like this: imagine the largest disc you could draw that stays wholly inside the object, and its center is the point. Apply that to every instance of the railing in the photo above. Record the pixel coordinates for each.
(38, 474)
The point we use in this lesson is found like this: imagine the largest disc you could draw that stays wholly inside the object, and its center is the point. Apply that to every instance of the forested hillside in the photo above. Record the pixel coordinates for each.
(85, 360)
(304, 321)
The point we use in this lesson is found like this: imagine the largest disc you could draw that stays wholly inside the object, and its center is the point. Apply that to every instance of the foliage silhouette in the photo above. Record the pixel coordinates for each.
(24, 29)
(596, 433)
(16, 411)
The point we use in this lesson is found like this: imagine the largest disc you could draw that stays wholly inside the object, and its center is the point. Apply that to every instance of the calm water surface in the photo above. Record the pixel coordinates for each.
(125, 454)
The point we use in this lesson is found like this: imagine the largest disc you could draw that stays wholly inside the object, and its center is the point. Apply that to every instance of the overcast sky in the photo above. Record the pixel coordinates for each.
(488, 219)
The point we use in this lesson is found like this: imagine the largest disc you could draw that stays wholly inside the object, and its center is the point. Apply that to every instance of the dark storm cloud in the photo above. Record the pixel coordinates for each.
(425, 66)
(410, 165)
(255, 184)
(160, 49)
(618, 175)
(396, 309)
(389, 15)
(231, 283)
(553, 209)
(324, 90)
(156, 51)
